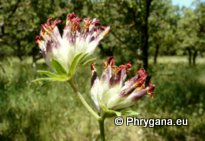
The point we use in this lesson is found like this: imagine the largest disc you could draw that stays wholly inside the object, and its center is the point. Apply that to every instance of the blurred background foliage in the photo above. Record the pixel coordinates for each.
(167, 40)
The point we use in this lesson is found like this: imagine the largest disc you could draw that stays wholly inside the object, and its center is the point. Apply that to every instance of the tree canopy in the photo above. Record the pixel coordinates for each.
(139, 29)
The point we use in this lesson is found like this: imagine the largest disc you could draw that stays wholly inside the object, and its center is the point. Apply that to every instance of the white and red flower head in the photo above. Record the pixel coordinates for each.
(111, 90)
(79, 39)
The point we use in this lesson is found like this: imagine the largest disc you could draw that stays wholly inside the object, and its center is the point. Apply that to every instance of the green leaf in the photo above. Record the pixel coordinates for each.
(114, 113)
(53, 76)
(76, 61)
(44, 79)
(48, 73)
(58, 67)
(130, 113)
(110, 113)
(89, 61)
(83, 59)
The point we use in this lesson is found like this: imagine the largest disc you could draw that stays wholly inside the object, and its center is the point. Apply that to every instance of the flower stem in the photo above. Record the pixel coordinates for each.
(102, 130)
(72, 84)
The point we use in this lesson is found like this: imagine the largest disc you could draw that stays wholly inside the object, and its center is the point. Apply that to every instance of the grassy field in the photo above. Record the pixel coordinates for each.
(49, 111)
(176, 59)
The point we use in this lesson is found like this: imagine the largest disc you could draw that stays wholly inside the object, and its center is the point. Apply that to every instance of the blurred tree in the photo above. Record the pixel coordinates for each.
(162, 28)
(17, 27)
(129, 28)
(200, 12)
(133, 23)
(144, 31)
(19, 22)
(191, 31)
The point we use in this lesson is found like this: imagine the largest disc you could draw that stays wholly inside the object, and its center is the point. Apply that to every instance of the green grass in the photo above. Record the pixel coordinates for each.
(50, 111)
(177, 59)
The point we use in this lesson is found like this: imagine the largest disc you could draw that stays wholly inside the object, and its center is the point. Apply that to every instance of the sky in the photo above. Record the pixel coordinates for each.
(186, 3)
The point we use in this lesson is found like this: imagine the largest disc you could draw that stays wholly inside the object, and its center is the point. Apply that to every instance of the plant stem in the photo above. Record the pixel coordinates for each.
(83, 100)
(102, 130)
(100, 119)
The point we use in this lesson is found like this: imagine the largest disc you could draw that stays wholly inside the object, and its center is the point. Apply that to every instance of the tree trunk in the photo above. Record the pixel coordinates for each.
(194, 57)
(106, 52)
(189, 56)
(145, 35)
(19, 53)
(156, 54)
(35, 56)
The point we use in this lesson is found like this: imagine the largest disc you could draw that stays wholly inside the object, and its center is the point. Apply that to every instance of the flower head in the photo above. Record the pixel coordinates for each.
(113, 92)
(79, 39)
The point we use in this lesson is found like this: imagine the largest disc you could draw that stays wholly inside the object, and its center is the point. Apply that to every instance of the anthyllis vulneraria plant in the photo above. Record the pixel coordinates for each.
(111, 94)
(64, 53)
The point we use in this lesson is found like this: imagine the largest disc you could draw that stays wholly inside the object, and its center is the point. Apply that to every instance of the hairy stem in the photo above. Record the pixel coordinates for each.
(72, 84)
(102, 130)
